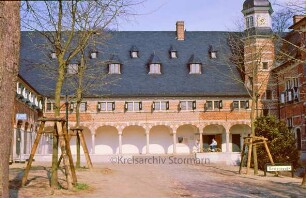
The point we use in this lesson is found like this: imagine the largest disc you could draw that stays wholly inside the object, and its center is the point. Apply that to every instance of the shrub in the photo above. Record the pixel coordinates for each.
(281, 142)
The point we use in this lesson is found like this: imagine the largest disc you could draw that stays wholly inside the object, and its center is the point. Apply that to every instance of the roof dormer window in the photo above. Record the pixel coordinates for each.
(154, 69)
(195, 65)
(93, 54)
(212, 52)
(114, 65)
(114, 68)
(154, 64)
(134, 52)
(73, 68)
(53, 55)
(173, 52)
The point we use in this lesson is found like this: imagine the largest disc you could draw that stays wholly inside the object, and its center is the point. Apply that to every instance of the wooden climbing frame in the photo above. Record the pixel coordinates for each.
(61, 133)
(250, 142)
(78, 132)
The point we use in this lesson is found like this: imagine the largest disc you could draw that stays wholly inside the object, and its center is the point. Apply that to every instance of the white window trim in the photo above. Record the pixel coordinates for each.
(160, 101)
(106, 106)
(134, 54)
(173, 54)
(127, 109)
(187, 108)
(72, 69)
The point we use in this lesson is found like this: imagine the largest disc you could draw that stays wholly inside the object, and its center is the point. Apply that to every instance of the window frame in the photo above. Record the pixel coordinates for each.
(153, 70)
(265, 65)
(114, 68)
(160, 102)
(126, 106)
(195, 68)
(85, 108)
(113, 106)
(187, 105)
(73, 68)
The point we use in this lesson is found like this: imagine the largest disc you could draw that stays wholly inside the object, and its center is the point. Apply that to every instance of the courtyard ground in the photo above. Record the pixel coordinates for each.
(158, 180)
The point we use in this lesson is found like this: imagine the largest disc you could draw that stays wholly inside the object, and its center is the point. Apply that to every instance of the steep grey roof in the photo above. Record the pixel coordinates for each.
(194, 59)
(218, 78)
(256, 3)
(154, 59)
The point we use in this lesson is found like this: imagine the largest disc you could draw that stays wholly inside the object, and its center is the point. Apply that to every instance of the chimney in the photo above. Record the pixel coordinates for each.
(180, 30)
(297, 18)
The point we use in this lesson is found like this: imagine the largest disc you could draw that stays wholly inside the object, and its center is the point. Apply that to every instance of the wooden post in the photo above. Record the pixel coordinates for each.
(35, 145)
(78, 150)
(268, 151)
(250, 143)
(85, 149)
(68, 150)
(62, 141)
(242, 156)
(54, 168)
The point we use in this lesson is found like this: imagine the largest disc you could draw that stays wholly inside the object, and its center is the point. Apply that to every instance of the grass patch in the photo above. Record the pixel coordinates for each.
(81, 186)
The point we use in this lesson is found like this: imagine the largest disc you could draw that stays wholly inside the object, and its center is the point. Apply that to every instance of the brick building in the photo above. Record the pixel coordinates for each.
(290, 77)
(159, 92)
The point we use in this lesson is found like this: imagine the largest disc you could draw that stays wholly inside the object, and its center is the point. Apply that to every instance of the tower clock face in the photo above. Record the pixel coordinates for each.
(261, 21)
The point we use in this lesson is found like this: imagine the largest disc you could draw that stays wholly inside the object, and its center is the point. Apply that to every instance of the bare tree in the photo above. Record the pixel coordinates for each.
(68, 26)
(9, 60)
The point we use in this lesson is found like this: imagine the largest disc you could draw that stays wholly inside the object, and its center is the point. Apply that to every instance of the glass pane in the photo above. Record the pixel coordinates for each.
(242, 104)
(130, 106)
(136, 106)
(216, 104)
(163, 106)
(103, 106)
(83, 106)
(209, 105)
(183, 105)
(189, 105)
(157, 105)
(109, 106)
(48, 106)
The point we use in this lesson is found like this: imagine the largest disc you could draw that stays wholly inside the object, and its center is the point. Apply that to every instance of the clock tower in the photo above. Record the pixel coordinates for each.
(259, 53)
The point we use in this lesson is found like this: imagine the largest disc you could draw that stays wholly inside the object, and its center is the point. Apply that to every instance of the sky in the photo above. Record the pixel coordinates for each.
(199, 15)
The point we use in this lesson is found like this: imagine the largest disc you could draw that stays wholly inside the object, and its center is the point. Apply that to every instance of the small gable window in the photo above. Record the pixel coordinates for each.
(114, 65)
(93, 54)
(134, 52)
(212, 52)
(195, 65)
(72, 69)
(53, 55)
(154, 64)
(173, 52)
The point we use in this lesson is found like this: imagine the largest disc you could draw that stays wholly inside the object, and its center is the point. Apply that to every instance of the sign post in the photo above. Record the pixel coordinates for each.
(277, 167)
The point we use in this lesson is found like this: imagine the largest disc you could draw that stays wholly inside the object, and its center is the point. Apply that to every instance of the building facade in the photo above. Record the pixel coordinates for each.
(163, 92)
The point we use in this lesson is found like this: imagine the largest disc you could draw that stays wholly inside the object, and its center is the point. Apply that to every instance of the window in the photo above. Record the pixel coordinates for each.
(213, 54)
(195, 68)
(154, 69)
(73, 69)
(106, 106)
(265, 112)
(289, 122)
(114, 68)
(249, 22)
(240, 104)
(282, 98)
(173, 54)
(49, 106)
(134, 54)
(187, 105)
(264, 65)
(295, 82)
(133, 106)
(83, 107)
(53, 55)
(93, 54)
(160, 105)
(72, 106)
(211, 105)
(236, 105)
(268, 94)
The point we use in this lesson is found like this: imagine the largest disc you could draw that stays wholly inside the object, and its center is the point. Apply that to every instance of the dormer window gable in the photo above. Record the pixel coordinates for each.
(53, 55)
(134, 52)
(212, 52)
(154, 65)
(114, 65)
(93, 54)
(173, 52)
(195, 65)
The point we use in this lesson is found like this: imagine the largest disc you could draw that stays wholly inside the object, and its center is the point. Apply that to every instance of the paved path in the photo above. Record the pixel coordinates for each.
(108, 180)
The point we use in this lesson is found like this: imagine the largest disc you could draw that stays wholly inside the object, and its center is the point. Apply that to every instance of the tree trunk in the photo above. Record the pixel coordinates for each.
(9, 62)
